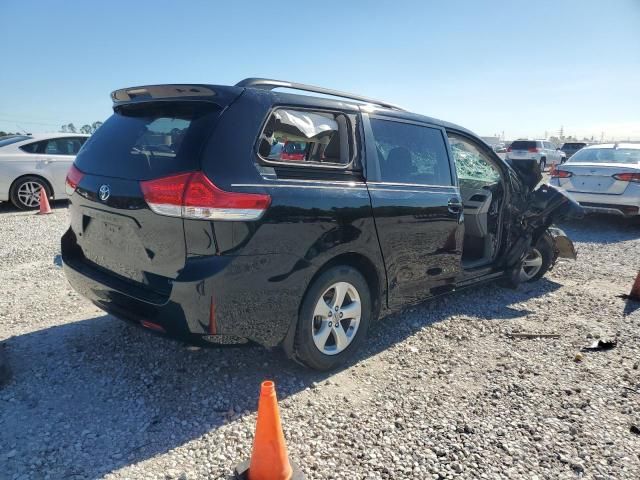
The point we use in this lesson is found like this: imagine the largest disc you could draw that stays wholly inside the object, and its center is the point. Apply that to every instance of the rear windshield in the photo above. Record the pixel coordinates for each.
(573, 146)
(607, 155)
(523, 145)
(13, 139)
(149, 141)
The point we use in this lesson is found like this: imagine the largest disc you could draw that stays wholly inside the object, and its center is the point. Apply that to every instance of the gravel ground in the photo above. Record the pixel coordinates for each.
(441, 391)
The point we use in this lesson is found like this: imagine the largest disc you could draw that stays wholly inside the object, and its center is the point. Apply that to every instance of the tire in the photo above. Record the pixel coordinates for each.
(543, 253)
(543, 163)
(316, 317)
(25, 192)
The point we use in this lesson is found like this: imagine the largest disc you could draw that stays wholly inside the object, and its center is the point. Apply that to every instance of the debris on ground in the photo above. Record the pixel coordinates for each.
(534, 335)
(601, 345)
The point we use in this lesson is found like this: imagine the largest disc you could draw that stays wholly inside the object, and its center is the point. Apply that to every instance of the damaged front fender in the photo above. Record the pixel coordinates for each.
(563, 246)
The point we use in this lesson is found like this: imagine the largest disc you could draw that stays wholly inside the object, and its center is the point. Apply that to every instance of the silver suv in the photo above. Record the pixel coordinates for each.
(543, 151)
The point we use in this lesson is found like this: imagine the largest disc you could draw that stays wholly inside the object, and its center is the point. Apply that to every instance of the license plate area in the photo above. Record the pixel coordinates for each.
(111, 242)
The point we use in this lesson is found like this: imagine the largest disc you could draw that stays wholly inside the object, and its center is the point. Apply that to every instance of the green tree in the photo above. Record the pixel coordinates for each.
(86, 129)
(95, 126)
(71, 128)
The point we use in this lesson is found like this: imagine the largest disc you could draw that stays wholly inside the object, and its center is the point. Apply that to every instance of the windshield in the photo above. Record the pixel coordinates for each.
(607, 155)
(13, 139)
(573, 146)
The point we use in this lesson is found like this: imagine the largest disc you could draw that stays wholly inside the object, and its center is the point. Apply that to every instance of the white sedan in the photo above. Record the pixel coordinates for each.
(603, 178)
(31, 162)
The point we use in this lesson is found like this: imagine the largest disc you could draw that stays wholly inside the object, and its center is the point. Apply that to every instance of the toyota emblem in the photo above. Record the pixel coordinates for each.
(104, 192)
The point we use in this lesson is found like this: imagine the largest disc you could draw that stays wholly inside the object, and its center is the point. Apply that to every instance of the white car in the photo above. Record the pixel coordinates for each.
(603, 178)
(542, 151)
(30, 162)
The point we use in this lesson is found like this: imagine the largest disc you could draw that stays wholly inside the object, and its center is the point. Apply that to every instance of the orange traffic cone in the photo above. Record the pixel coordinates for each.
(635, 290)
(269, 459)
(44, 203)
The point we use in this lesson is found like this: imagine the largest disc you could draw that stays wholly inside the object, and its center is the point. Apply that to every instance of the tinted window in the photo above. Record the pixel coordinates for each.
(304, 137)
(411, 153)
(523, 145)
(471, 162)
(149, 141)
(35, 147)
(13, 139)
(606, 155)
(63, 146)
(573, 146)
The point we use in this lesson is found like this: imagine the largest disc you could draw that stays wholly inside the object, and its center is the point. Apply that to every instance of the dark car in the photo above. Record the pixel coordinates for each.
(184, 222)
(571, 148)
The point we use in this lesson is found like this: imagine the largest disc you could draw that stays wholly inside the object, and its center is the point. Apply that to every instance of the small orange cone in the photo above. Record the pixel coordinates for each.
(635, 290)
(269, 459)
(44, 202)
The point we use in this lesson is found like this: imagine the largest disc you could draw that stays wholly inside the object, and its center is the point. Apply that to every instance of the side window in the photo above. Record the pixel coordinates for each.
(302, 137)
(63, 146)
(471, 162)
(411, 153)
(35, 147)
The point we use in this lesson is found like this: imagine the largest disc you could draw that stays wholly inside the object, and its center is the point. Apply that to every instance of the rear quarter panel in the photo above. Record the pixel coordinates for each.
(310, 222)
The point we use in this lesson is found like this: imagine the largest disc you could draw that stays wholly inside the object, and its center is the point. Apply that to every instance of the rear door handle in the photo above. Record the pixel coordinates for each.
(454, 205)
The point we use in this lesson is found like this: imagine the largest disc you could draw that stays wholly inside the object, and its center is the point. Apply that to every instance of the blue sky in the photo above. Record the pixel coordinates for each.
(522, 67)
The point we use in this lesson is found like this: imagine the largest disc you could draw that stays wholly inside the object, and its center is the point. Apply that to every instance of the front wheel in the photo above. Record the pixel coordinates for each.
(334, 318)
(538, 260)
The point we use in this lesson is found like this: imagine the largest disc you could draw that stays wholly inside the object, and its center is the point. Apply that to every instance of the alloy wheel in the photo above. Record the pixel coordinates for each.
(531, 265)
(336, 318)
(29, 194)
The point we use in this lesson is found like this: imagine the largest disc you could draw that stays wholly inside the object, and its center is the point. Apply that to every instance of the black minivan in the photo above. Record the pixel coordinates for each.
(228, 214)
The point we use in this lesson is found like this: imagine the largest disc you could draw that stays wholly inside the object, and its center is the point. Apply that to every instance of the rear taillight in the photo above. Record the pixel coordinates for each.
(627, 177)
(193, 195)
(73, 179)
(533, 150)
(561, 174)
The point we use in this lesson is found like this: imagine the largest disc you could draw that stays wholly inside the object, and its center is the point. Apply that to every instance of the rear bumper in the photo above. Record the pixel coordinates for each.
(621, 205)
(254, 298)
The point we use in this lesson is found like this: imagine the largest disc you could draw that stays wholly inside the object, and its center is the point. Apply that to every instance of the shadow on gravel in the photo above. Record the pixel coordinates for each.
(7, 207)
(602, 229)
(93, 396)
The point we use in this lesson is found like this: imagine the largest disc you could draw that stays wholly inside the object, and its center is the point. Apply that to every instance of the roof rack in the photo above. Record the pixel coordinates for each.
(269, 84)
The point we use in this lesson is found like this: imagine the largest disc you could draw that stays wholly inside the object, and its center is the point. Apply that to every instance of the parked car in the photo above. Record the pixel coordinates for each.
(31, 162)
(543, 152)
(293, 151)
(570, 148)
(216, 242)
(604, 178)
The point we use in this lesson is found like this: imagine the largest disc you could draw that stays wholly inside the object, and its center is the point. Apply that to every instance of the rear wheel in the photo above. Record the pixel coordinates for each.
(334, 318)
(25, 192)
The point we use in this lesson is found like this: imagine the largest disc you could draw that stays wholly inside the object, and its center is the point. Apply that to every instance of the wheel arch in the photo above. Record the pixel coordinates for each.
(45, 179)
(366, 267)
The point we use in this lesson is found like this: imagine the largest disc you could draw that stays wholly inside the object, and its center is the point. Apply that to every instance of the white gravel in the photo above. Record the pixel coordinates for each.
(441, 391)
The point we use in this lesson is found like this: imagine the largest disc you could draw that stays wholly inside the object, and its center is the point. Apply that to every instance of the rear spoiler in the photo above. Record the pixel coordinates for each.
(219, 95)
